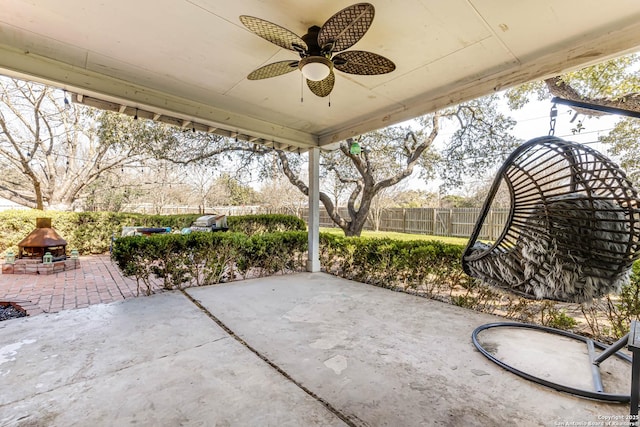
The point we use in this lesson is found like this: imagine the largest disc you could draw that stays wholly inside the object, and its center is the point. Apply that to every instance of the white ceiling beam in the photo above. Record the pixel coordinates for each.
(28, 66)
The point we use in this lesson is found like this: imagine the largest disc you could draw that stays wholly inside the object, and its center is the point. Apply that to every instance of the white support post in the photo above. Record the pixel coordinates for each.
(313, 262)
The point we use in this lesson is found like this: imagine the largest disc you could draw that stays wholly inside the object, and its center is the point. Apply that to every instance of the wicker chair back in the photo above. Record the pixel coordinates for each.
(573, 230)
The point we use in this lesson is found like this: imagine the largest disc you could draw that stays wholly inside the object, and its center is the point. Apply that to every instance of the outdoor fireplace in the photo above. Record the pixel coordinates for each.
(42, 240)
(32, 249)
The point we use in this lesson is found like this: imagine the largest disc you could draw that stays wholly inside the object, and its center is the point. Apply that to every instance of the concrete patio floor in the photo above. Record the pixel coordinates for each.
(298, 350)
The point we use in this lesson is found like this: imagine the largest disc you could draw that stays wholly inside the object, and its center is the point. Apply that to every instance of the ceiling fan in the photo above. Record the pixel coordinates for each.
(318, 46)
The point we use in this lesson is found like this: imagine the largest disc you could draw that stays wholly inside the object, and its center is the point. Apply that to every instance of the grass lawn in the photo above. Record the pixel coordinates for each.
(399, 236)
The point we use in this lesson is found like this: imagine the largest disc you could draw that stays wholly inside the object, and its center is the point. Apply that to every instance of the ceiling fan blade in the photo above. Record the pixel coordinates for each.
(274, 33)
(273, 70)
(324, 87)
(363, 63)
(346, 27)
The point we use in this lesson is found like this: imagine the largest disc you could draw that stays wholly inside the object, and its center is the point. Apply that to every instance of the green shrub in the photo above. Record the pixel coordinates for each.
(270, 253)
(208, 258)
(265, 223)
(88, 232)
(413, 264)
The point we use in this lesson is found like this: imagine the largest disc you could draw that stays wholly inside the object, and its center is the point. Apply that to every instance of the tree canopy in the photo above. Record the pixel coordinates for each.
(52, 150)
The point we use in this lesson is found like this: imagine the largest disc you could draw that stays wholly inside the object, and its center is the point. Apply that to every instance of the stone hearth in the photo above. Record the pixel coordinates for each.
(36, 266)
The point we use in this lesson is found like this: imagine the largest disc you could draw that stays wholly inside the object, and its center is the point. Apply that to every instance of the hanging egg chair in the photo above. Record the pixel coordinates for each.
(573, 229)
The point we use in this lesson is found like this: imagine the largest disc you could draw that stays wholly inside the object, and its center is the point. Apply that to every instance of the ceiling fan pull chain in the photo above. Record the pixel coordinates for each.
(301, 88)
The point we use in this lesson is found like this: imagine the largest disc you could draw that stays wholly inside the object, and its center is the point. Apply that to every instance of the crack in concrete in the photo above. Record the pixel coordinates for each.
(278, 369)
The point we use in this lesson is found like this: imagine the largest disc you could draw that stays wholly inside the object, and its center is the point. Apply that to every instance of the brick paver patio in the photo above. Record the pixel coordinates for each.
(97, 281)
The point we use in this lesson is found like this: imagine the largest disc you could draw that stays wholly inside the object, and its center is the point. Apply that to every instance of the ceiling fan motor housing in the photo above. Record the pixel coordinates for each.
(311, 39)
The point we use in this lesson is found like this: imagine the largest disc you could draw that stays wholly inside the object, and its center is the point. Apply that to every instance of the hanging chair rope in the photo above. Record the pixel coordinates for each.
(573, 229)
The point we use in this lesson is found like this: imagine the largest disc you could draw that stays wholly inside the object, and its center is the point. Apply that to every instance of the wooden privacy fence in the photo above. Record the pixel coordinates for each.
(449, 222)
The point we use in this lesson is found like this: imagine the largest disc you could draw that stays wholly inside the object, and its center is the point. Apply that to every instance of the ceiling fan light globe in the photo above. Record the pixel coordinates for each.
(315, 71)
(315, 68)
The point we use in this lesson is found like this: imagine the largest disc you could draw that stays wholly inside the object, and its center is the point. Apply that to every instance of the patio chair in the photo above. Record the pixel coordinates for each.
(572, 235)
(573, 230)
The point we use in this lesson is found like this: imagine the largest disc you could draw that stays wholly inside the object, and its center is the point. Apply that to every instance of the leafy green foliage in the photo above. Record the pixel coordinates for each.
(236, 193)
(518, 96)
(92, 232)
(265, 223)
(88, 232)
(424, 265)
(624, 140)
(612, 79)
(208, 258)
(554, 317)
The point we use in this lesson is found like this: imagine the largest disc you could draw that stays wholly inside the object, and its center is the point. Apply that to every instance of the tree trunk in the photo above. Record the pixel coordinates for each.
(38, 193)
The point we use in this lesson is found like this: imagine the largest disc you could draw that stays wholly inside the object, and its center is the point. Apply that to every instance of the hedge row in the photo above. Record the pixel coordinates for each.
(91, 232)
(208, 258)
(414, 264)
(265, 223)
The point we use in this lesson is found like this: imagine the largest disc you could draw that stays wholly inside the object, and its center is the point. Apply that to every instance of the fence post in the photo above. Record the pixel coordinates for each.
(450, 223)
(404, 220)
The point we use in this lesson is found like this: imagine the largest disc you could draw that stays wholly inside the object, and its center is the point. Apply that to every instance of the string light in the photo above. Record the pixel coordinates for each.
(136, 116)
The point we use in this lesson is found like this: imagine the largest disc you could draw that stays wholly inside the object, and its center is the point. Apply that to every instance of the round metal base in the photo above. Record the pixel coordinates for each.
(590, 394)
